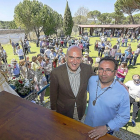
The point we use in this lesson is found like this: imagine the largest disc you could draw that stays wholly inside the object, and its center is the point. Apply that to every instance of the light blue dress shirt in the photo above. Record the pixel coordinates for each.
(112, 107)
(16, 70)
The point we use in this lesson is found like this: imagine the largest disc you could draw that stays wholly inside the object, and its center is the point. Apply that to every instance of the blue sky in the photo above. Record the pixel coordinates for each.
(7, 6)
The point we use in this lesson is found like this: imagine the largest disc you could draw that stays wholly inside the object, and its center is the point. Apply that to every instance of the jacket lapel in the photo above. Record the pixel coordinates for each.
(81, 79)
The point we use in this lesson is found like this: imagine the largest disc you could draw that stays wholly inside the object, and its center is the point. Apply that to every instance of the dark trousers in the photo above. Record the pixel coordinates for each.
(136, 106)
(134, 59)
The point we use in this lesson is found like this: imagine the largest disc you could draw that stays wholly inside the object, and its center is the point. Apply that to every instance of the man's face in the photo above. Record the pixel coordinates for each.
(106, 72)
(73, 58)
(136, 79)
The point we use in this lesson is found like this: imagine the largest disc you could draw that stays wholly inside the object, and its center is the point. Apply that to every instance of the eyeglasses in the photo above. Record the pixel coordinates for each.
(108, 71)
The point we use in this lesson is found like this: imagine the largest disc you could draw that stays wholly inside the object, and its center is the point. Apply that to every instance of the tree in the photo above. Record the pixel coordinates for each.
(127, 20)
(52, 22)
(124, 7)
(12, 25)
(67, 22)
(105, 18)
(94, 14)
(33, 15)
(137, 18)
(80, 17)
(134, 4)
(117, 18)
(29, 16)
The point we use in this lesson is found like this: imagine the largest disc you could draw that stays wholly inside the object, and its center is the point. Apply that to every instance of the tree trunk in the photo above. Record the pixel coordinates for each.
(132, 19)
(37, 35)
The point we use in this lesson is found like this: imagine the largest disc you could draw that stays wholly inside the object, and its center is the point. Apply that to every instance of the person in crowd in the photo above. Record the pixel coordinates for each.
(42, 50)
(101, 47)
(20, 53)
(68, 85)
(122, 72)
(27, 59)
(35, 64)
(122, 58)
(60, 54)
(3, 55)
(47, 52)
(56, 47)
(87, 59)
(106, 52)
(15, 71)
(109, 105)
(62, 61)
(128, 56)
(52, 55)
(23, 68)
(118, 56)
(30, 73)
(25, 46)
(13, 47)
(65, 42)
(96, 45)
(40, 60)
(70, 42)
(81, 47)
(113, 51)
(119, 40)
(47, 66)
(138, 38)
(136, 54)
(111, 37)
(95, 67)
(123, 42)
(28, 45)
(40, 82)
(134, 93)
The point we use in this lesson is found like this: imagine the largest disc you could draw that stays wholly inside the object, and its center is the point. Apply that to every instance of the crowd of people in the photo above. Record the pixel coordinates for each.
(72, 74)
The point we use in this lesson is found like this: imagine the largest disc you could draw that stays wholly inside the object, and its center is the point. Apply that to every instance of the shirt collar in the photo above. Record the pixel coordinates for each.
(69, 71)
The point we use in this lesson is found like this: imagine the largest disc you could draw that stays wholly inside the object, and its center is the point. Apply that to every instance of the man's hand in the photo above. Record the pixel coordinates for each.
(98, 132)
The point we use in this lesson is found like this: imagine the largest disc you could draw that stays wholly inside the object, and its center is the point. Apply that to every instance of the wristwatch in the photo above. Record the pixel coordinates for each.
(108, 128)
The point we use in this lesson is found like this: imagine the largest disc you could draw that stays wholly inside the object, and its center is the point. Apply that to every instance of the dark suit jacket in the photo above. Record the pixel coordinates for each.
(61, 95)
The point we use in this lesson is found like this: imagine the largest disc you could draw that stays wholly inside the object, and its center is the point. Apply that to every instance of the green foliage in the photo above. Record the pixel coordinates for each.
(105, 18)
(33, 15)
(137, 18)
(12, 25)
(117, 18)
(80, 16)
(4, 24)
(53, 21)
(134, 4)
(94, 14)
(124, 7)
(67, 22)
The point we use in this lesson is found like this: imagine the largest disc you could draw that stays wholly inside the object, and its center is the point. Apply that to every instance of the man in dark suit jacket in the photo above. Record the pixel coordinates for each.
(68, 84)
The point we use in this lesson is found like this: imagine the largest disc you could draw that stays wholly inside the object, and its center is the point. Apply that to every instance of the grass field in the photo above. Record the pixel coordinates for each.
(132, 69)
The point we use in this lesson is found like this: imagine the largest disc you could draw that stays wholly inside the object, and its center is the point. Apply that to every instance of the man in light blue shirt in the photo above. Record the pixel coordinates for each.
(109, 105)
(15, 70)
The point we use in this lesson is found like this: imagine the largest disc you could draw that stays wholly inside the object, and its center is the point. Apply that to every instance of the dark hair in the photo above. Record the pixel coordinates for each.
(38, 55)
(108, 58)
(115, 47)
